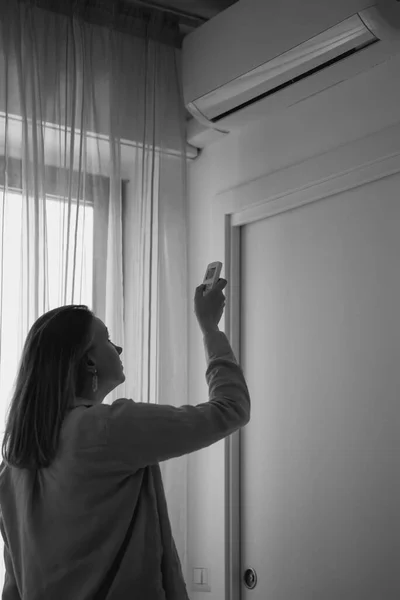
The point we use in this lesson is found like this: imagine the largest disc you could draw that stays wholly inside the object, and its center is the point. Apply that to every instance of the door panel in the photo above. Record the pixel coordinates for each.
(320, 349)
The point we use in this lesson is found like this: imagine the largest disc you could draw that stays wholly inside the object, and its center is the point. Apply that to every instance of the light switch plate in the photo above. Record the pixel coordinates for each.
(200, 587)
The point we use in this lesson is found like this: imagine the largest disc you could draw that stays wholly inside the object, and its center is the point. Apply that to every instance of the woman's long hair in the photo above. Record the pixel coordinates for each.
(50, 375)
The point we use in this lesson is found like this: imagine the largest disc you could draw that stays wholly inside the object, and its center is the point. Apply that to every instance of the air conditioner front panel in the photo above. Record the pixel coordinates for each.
(244, 37)
(348, 35)
(350, 67)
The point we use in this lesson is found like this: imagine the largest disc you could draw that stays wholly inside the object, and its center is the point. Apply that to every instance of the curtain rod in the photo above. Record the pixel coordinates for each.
(187, 18)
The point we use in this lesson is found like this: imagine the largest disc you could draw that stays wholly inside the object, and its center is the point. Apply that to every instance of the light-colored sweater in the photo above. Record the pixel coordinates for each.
(94, 525)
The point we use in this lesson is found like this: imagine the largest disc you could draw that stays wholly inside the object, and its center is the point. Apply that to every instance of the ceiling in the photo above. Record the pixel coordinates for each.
(192, 13)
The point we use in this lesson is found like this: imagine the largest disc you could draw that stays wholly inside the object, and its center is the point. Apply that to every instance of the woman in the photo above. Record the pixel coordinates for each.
(83, 510)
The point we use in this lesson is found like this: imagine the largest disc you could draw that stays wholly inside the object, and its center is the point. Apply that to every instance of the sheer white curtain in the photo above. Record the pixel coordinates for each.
(92, 193)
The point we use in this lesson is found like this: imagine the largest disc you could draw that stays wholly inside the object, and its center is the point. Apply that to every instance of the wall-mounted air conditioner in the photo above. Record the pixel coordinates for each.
(257, 57)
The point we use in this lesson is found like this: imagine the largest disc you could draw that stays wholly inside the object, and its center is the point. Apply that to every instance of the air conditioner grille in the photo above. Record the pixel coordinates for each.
(276, 89)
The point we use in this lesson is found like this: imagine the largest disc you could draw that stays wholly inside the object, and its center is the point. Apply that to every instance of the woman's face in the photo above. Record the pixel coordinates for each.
(104, 356)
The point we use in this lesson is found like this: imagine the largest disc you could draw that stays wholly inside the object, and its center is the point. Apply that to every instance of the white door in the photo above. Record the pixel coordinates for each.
(320, 349)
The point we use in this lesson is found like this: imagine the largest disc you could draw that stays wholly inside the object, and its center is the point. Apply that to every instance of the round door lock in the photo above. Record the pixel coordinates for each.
(250, 578)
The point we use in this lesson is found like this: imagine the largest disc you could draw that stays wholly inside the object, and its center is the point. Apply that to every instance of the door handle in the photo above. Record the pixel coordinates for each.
(250, 578)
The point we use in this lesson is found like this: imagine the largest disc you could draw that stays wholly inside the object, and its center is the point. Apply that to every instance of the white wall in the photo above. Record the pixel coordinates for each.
(346, 112)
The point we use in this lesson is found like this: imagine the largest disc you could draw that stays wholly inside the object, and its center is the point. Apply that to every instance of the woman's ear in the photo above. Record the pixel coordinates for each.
(89, 362)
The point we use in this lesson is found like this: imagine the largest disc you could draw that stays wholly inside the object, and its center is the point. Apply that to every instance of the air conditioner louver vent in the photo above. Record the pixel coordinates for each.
(294, 80)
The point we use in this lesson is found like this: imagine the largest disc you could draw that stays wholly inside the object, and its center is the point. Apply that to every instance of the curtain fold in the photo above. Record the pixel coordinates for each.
(92, 194)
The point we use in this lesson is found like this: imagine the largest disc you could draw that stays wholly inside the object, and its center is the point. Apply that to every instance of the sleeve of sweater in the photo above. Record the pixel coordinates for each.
(10, 589)
(141, 434)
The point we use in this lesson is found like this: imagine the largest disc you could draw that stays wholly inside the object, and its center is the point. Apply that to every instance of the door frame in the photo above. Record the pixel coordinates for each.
(359, 162)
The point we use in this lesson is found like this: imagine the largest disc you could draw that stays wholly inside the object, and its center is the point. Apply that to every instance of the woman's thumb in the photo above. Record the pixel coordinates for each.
(200, 289)
(222, 283)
